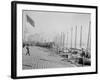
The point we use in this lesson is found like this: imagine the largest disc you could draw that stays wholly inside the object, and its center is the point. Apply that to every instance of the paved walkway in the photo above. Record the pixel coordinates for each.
(43, 58)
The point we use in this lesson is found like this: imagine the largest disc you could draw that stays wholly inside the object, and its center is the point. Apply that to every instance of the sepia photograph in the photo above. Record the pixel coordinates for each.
(55, 39)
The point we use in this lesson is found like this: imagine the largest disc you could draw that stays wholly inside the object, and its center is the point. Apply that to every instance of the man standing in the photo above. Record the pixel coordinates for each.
(83, 56)
(27, 48)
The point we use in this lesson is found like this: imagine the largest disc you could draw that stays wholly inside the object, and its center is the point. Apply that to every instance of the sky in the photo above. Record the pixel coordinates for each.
(48, 25)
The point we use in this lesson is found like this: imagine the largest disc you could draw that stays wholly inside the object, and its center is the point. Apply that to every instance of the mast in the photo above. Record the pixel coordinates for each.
(88, 36)
(75, 36)
(67, 39)
(63, 40)
(71, 36)
(81, 37)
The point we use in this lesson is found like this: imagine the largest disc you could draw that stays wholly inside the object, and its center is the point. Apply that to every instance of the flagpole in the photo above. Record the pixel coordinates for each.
(25, 33)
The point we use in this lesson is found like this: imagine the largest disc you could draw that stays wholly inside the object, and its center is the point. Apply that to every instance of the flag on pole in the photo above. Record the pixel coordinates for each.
(29, 20)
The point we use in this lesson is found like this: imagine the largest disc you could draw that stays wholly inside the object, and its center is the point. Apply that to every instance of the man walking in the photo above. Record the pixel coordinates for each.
(27, 48)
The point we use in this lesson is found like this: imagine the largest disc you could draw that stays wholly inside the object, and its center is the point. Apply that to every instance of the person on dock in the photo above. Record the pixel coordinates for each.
(83, 53)
(83, 56)
(27, 52)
